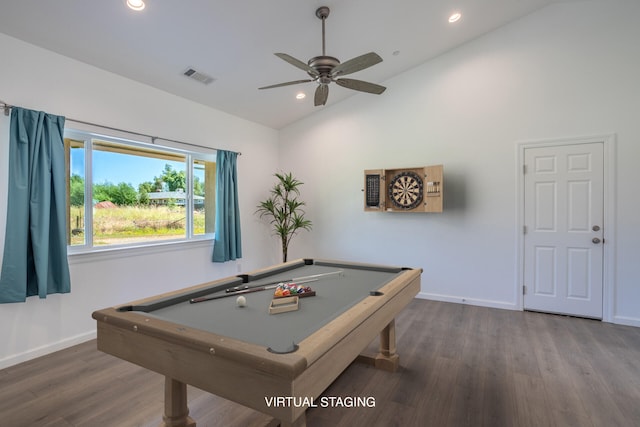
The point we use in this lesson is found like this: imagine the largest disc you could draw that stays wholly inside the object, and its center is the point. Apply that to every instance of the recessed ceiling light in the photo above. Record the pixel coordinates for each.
(135, 4)
(301, 95)
(455, 17)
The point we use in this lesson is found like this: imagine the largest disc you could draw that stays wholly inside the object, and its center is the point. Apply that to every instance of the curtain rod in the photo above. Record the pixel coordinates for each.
(6, 107)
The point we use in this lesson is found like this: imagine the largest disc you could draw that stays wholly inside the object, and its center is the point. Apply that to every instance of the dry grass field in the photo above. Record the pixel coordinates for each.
(130, 224)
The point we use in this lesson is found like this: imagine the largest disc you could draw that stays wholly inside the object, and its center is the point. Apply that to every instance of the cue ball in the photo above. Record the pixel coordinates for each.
(241, 301)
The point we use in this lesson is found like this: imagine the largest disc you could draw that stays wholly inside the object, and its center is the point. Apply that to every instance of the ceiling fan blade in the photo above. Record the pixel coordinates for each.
(286, 84)
(361, 86)
(296, 63)
(356, 64)
(322, 93)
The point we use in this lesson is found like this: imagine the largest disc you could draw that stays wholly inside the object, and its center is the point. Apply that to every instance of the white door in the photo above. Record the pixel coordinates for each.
(563, 240)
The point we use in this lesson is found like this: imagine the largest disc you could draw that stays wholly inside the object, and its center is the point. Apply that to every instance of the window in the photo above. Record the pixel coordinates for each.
(123, 193)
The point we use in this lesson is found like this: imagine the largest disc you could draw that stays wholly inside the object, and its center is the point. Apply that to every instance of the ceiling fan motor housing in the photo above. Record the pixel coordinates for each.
(323, 65)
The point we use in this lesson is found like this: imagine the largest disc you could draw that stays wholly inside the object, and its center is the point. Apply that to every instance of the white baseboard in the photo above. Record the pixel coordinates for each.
(619, 320)
(625, 320)
(470, 301)
(14, 359)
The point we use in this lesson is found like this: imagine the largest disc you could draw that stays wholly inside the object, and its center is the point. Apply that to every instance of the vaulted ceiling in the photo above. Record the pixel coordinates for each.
(234, 42)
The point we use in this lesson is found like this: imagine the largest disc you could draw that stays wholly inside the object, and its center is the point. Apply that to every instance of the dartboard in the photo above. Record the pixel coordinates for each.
(405, 190)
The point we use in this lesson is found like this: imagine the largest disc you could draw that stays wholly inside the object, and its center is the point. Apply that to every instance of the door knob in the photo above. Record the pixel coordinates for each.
(595, 240)
(596, 228)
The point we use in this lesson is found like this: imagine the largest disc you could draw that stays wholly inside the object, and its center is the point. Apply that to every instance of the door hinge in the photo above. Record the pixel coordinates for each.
(524, 289)
(524, 169)
(524, 229)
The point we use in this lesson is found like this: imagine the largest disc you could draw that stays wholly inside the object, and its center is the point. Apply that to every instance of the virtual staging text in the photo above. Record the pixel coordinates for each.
(321, 402)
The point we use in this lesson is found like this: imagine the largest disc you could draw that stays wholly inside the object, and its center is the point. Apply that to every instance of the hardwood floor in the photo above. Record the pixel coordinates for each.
(460, 366)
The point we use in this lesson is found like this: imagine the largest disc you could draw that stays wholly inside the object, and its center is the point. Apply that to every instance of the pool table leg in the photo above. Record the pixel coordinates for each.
(176, 411)
(387, 358)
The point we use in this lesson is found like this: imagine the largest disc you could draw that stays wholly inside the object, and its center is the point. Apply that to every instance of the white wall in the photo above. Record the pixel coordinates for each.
(34, 78)
(568, 70)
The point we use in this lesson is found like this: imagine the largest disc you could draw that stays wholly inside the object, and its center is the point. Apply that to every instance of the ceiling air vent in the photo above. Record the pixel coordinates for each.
(198, 76)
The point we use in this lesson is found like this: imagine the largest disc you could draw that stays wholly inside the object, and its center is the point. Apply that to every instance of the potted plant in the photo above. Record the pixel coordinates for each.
(284, 210)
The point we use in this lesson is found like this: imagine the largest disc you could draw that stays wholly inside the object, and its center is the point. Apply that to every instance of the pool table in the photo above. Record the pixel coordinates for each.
(249, 356)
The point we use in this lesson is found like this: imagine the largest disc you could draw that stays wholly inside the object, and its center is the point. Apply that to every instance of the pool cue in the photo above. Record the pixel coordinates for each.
(244, 291)
(296, 280)
(240, 289)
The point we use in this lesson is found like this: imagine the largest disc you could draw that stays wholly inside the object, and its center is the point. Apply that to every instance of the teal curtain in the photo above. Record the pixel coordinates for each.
(35, 245)
(227, 245)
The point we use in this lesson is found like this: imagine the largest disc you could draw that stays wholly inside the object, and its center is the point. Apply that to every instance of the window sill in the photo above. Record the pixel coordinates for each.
(106, 253)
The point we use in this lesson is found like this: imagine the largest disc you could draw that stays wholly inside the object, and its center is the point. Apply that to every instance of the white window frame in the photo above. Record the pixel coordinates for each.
(190, 157)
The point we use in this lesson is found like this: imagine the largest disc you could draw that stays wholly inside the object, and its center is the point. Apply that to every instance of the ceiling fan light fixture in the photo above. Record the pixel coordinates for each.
(455, 17)
(136, 5)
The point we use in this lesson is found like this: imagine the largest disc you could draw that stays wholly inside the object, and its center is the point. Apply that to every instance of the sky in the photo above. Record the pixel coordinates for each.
(116, 168)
